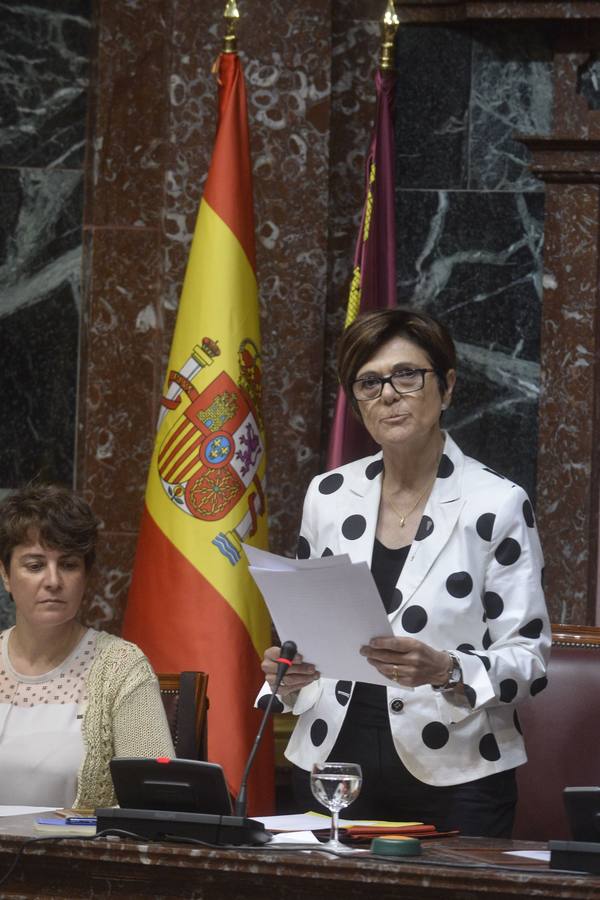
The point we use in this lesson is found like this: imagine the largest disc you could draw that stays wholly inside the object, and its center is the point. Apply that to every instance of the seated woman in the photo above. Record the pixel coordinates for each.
(71, 697)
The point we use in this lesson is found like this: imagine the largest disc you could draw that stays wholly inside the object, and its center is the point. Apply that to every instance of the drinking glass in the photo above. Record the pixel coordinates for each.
(335, 785)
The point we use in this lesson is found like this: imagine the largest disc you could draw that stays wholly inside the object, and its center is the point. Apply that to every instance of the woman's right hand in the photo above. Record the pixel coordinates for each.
(297, 676)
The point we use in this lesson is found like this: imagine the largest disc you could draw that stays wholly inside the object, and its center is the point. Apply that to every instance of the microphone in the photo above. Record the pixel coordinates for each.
(284, 661)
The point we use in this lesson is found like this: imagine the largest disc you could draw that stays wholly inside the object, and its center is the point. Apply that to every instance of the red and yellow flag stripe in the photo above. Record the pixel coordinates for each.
(192, 603)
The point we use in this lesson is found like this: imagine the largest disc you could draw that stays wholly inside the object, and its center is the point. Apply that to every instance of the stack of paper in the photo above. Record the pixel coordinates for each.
(355, 829)
(330, 607)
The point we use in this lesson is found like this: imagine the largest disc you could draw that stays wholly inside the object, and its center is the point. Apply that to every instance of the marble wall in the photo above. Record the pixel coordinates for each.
(45, 50)
(470, 221)
(470, 228)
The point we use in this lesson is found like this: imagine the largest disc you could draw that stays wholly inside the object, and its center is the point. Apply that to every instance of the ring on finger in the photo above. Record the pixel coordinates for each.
(396, 673)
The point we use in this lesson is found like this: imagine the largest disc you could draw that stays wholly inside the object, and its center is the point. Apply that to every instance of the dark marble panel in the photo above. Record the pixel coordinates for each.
(474, 261)
(589, 82)
(432, 107)
(44, 59)
(40, 234)
(38, 389)
(511, 93)
(40, 262)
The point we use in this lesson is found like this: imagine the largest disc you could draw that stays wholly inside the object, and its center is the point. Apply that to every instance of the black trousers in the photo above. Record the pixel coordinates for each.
(484, 807)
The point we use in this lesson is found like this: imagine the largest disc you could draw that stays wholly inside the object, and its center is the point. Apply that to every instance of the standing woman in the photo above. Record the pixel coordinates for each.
(455, 555)
(71, 698)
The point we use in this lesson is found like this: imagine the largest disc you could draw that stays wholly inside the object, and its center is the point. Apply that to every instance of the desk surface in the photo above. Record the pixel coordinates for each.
(449, 869)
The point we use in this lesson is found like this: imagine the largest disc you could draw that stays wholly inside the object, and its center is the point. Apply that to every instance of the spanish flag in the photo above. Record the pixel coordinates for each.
(192, 603)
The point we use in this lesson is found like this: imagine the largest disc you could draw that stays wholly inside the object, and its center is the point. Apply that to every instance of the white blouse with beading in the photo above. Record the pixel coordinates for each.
(41, 744)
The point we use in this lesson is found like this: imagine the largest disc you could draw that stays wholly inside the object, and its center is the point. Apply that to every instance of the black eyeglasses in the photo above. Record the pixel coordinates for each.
(404, 381)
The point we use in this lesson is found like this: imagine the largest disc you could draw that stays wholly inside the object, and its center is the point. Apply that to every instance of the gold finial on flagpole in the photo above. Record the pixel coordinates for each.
(231, 16)
(389, 27)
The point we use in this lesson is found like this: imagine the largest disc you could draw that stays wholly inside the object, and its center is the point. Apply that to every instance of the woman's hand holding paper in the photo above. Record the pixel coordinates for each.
(297, 676)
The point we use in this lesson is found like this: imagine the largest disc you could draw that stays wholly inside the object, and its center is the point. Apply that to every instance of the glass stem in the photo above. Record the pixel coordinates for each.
(334, 825)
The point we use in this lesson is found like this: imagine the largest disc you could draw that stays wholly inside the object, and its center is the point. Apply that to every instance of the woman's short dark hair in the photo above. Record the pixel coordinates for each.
(59, 517)
(370, 331)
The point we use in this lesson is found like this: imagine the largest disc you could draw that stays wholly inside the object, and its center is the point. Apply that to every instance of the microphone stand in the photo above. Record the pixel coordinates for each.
(288, 651)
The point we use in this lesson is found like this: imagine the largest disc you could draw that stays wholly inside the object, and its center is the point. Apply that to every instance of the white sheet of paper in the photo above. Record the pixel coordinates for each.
(293, 837)
(330, 608)
(542, 855)
(295, 822)
(24, 810)
(262, 559)
(314, 821)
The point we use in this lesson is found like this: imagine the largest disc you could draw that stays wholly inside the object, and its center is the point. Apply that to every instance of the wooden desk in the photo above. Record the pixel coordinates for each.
(123, 869)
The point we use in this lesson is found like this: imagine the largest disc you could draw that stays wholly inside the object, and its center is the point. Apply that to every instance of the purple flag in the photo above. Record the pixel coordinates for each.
(374, 271)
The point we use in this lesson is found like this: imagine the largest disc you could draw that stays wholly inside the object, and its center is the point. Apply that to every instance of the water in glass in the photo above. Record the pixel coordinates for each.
(336, 785)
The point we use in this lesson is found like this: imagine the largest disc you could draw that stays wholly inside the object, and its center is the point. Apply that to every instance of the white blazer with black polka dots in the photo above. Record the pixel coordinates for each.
(471, 584)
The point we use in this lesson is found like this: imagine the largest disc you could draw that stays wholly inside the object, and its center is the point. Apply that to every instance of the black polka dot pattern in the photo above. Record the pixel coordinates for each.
(414, 619)
(508, 552)
(303, 549)
(508, 690)
(488, 747)
(486, 640)
(435, 735)
(538, 685)
(459, 584)
(354, 527)
(493, 604)
(533, 629)
(373, 469)
(446, 467)
(485, 526)
(528, 514)
(331, 483)
(327, 552)
(425, 528)
(466, 648)
(516, 722)
(485, 660)
(343, 689)
(470, 694)
(396, 601)
(263, 702)
(318, 732)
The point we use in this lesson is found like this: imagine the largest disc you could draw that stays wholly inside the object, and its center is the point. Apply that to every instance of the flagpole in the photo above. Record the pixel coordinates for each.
(232, 17)
(373, 283)
(389, 27)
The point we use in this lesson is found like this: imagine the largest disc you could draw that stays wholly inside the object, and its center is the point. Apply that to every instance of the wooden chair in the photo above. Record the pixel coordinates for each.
(186, 703)
(561, 727)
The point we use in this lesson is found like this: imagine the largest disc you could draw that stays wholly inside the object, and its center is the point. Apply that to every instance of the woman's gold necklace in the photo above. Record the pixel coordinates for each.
(404, 516)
